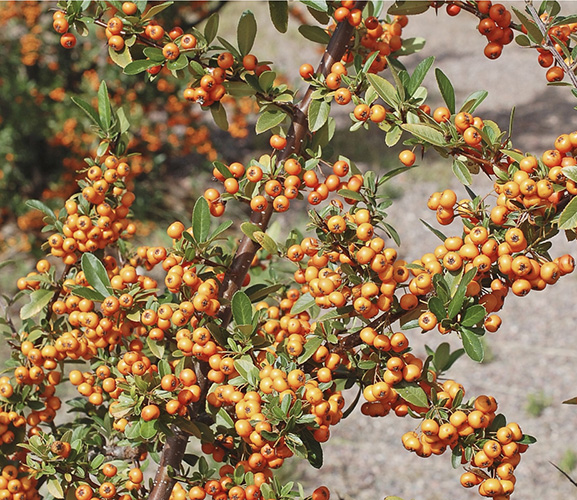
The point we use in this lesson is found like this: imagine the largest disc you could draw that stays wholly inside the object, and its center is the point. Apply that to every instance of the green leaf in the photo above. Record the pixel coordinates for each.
(384, 89)
(96, 274)
(155, 10)
(266, 80)
(473, 101)
(268, 119)
(516, 155)
(104, 110)
(319, 111)
(473, 345)
(241, 308)
(246, 369)
(352, 195)
(473, 315)
(55, 488)
(408, 7)
(433, 230)
(441, 356)
(446, 89)
(219, 115)
(314, 449)
(246, 32)
(38, 300)
(211, 28)
(279, 14)
(426, 132)
(437, 307)
(319, 5)
(122, 57)
(261, 291)
(303, 303)
(265, 241)
(393, 136)
(200, 220)
(568, 218)
(38, 205)
(148, 429)
(220, 229)
(88, 293)
(178, 64)
(154, 54)
(88, 110)
(533, 31)
(462, 172)
(249, 229)
(412, 394)
(314, 34)
(419, 74)
(411, 46)
(311, 346)
(155, 348)
(523, 40)
(459, 297)
(526, 439)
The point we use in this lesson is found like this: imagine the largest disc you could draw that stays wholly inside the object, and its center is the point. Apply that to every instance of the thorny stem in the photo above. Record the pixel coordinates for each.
(549, 45)
(174, 449)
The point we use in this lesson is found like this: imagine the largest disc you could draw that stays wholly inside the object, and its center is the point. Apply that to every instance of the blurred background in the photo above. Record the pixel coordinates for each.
(530, 361)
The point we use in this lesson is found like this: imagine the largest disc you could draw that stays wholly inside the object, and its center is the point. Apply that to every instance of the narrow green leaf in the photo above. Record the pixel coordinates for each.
(200, 220)
(104, 110)
(38, 205)
(411, 46)
(246, 369)
(88, 110)
(412, 394)
(178, 64)
(533, 31)
(155, 10)
(246, 32)
(279, 14)
(303, 303)
(462, 172)
(441, 356)
(265, 241)
(96, 274)
(211, 28)
(88, 293)
(352, 195)
(220, 229)
(223, 169)
(269, 119)
(39, 299)
(311, 346)
(219, 115)
(408, 7)
(384, 89)
(437, 307)
(319, 5)
(473, 101)
(446, 89)
(568, 218)
(459, 297)
(318, 114)
(426, 132)
(241, 308)
(419, 74)
(473, 345)
(261, 291)
(314, 34)
(515, 155)
(314, 449)
(433, 230)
